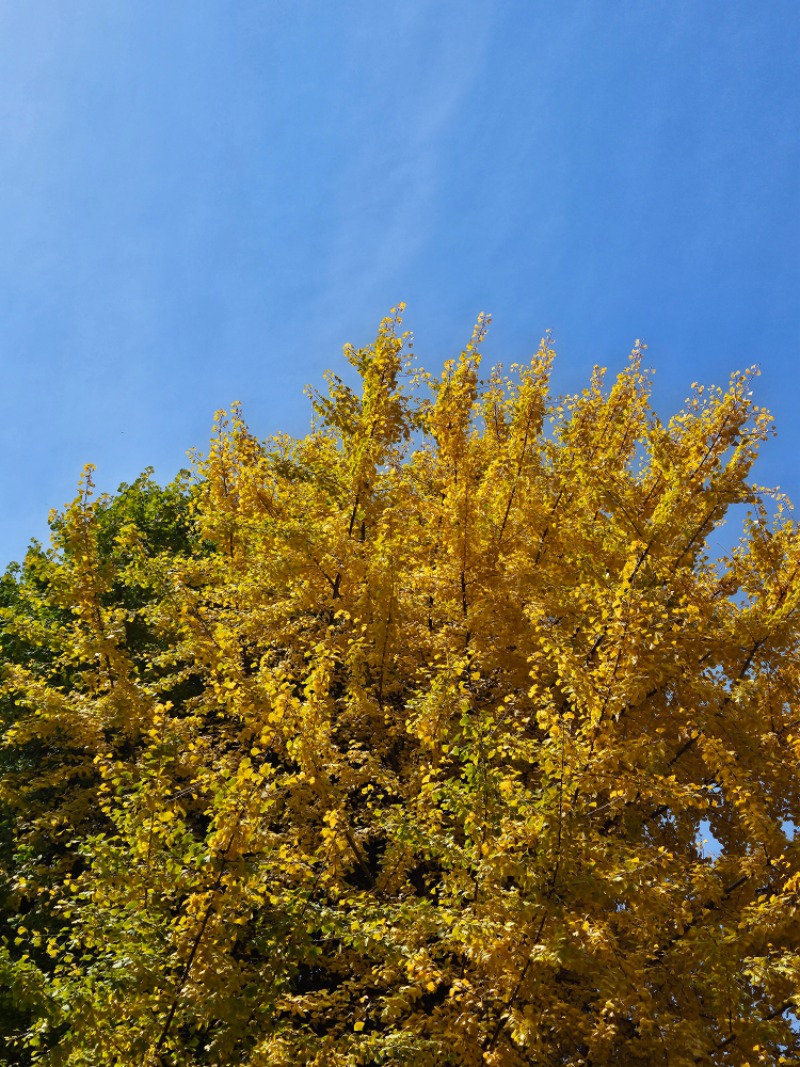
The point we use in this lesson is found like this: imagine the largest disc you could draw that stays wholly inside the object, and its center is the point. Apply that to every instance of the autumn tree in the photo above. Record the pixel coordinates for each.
(398, 743)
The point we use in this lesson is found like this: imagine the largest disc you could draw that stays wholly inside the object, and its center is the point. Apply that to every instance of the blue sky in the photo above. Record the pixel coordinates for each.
(201, 202)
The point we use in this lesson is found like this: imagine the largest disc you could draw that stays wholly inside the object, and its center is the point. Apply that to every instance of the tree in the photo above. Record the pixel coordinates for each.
(397, 743)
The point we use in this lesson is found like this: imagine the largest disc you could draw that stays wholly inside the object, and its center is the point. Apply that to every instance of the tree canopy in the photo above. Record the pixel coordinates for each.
(437, 736)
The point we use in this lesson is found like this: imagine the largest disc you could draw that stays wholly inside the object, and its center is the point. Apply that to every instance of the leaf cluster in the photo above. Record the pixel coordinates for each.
(398, 743)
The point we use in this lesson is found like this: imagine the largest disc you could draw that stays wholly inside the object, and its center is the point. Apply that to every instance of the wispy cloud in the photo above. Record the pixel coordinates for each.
(411, 91)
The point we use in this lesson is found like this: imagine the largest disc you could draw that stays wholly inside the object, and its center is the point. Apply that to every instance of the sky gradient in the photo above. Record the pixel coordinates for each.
(202, 202)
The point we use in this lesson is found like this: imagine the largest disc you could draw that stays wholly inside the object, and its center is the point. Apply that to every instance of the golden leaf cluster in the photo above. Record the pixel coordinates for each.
(437, 736)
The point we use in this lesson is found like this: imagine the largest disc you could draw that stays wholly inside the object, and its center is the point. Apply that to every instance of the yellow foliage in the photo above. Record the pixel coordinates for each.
(406, 753)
